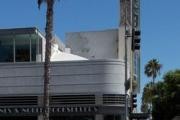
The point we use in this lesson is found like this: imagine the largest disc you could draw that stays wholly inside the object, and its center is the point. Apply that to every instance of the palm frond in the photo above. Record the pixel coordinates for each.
(152, 68)
(40, 2)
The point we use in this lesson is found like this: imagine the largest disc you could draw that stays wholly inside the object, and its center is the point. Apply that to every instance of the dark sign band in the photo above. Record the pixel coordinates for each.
(38, 110)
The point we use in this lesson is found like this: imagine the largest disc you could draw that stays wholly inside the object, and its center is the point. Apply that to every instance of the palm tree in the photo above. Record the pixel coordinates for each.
(48, 36)
(152, 69)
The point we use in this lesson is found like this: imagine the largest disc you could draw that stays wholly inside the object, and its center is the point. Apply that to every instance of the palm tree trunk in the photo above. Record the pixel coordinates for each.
(47, 70)
(152, 90)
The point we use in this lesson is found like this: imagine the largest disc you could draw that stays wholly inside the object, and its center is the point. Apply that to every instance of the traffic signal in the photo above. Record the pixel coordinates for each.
(136, 39)
(133, 101)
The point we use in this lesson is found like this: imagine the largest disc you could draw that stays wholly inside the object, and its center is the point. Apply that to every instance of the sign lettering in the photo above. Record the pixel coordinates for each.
(38, 110)
(136, 13)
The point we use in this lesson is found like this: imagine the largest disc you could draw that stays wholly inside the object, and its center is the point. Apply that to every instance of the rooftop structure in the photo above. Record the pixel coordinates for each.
(28, 45)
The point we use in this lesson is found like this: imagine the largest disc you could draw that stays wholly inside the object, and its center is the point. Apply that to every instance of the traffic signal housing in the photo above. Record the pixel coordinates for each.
(136, 39)
(133, 101)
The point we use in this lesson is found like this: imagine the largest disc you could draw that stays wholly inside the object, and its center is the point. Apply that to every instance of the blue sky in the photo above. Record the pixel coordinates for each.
(160, 23)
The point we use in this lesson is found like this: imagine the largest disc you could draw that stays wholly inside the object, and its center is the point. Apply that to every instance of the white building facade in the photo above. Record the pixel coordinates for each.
(88, 74)
(80, 89)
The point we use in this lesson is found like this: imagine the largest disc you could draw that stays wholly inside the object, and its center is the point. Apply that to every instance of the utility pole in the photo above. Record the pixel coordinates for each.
(125, 15)
(126, 58)
(130, 22)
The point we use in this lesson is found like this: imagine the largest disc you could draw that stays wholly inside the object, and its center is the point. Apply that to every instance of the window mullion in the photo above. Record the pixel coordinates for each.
(14, 48)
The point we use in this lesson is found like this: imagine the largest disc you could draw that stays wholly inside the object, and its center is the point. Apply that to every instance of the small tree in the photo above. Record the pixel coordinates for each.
(147, 98)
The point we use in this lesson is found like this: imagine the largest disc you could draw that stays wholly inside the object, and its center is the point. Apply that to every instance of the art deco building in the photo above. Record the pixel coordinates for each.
(87, 75)
(79, 88)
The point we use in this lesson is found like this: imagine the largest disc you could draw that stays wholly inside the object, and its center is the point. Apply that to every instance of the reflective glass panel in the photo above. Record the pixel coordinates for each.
(22, 48)
(6, 49)
(112, 117)
(72, 117)
(35, 47)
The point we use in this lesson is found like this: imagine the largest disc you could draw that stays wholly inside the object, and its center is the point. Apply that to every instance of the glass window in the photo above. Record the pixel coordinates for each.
(36, 47)
(73, 118)
(22, 48)
(33, 48)
(6, 49)
(112, 117)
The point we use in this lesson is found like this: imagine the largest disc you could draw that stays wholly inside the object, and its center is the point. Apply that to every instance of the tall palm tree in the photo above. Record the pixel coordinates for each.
(48, 36)
(152, 69)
